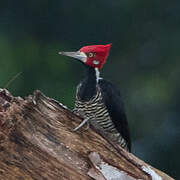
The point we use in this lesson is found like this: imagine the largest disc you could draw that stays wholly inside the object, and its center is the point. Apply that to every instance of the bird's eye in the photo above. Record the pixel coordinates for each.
(90, 54)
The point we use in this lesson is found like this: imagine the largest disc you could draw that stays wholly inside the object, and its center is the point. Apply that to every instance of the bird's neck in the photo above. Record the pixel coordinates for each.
(88, 87)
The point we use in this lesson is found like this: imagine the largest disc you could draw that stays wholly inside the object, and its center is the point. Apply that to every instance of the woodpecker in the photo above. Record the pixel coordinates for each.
(98, 101)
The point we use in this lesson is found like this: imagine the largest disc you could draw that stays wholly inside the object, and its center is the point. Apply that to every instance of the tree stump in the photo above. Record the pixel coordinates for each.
(37, 142)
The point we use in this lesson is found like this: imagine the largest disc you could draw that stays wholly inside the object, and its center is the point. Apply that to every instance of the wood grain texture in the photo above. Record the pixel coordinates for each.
(37, 142)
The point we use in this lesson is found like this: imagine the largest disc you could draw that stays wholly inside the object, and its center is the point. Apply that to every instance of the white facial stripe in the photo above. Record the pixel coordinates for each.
(97, 74)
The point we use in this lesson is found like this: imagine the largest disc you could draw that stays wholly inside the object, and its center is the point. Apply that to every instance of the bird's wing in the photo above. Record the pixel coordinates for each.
(114, 104)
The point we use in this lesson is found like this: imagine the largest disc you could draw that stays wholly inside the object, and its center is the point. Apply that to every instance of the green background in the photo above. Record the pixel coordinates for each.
(144, 61)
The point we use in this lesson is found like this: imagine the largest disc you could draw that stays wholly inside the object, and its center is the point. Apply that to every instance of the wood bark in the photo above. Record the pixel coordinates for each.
(37, 142)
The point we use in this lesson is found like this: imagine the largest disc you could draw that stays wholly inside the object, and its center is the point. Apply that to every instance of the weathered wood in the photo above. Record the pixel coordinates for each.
(37, 142)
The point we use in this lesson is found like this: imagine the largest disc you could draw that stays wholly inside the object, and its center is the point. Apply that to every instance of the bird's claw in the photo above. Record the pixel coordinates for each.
(81, 124)
(87, 127)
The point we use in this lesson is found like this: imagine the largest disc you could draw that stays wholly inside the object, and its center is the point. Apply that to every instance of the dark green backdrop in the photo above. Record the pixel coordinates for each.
(144, 61)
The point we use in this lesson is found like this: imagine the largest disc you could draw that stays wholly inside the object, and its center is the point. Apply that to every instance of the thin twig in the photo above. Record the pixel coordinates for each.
(12, 79)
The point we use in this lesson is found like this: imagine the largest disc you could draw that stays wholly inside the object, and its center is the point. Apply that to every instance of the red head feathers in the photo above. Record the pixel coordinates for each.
(94, 55)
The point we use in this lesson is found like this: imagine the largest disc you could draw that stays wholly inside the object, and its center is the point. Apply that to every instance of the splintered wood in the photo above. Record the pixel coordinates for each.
(37, 142)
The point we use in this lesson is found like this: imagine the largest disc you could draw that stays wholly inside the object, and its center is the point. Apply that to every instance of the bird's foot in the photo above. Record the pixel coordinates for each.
(82, 123)
(87, 127)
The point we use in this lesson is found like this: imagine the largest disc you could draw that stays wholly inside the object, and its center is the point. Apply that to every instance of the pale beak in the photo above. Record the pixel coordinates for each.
(78, 55)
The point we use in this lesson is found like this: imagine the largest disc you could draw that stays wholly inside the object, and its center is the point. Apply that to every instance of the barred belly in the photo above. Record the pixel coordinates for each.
(98, 115)
(96, 111)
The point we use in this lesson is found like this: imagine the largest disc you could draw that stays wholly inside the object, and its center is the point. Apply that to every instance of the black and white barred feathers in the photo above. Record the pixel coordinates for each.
(101, 114)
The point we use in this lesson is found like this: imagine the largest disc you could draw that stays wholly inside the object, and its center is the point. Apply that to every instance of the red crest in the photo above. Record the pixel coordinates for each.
(96, 54)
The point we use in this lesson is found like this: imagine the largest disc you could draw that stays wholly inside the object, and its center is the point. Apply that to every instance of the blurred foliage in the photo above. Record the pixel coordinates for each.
(144, 61)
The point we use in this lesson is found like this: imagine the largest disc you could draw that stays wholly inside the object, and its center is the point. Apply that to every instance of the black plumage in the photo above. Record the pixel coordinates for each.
(115, 107)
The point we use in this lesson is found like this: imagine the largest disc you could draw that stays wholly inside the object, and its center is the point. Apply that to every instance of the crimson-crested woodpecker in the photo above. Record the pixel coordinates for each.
(98, 101)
